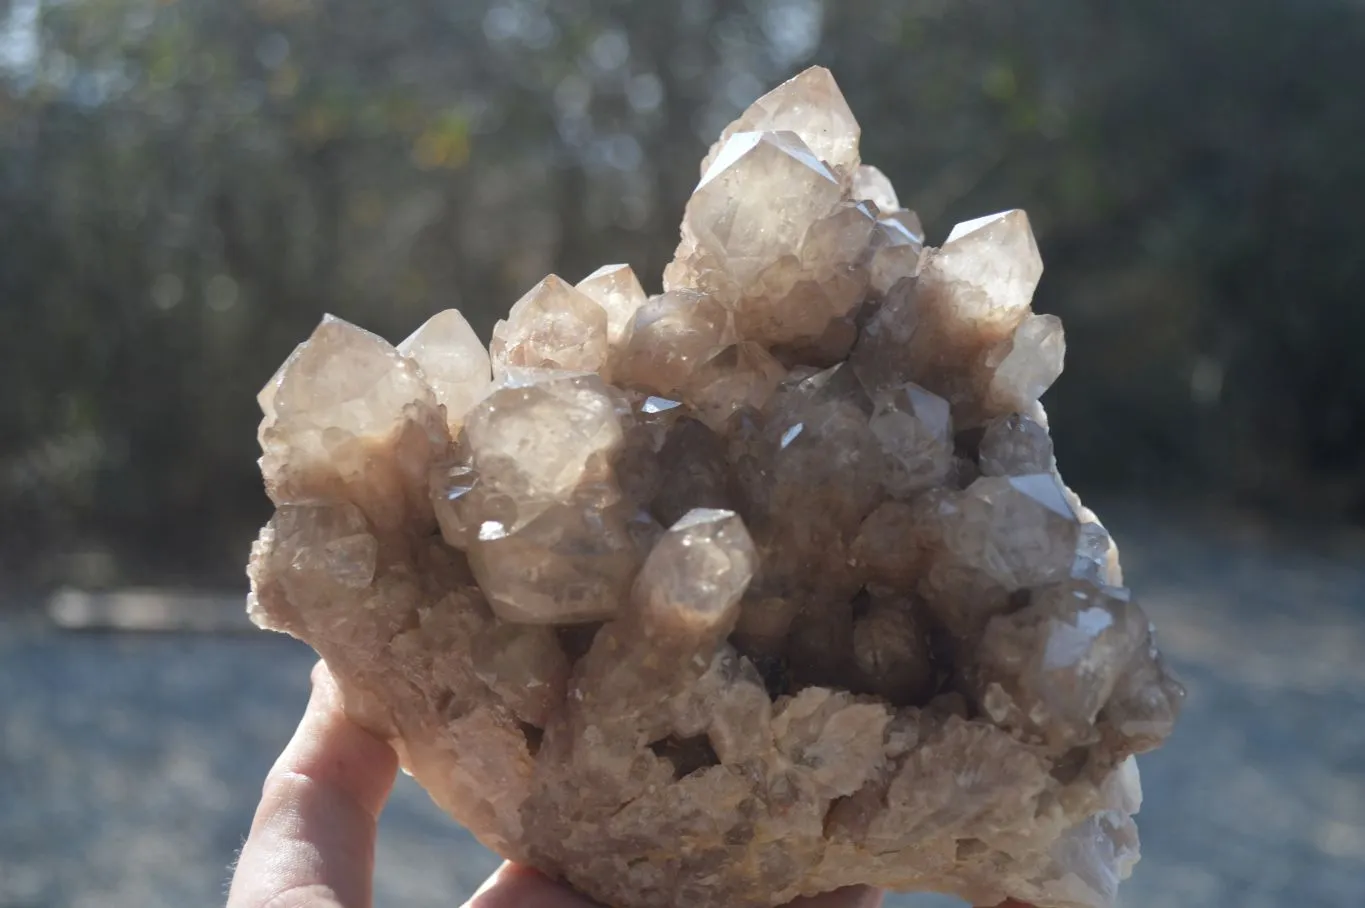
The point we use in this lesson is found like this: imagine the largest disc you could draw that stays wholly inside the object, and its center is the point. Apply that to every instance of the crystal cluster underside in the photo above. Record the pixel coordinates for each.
(756, 588)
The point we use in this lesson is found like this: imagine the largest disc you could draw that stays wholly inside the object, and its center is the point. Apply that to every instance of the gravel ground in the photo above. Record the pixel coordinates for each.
(130, 764)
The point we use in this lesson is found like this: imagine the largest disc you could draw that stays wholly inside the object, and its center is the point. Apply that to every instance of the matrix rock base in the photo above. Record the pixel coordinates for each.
(756, 588)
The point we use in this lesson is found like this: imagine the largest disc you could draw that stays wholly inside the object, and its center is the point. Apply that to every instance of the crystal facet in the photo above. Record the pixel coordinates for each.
(670, 336)
(871, 184)
(1015, 445)
(915, 430)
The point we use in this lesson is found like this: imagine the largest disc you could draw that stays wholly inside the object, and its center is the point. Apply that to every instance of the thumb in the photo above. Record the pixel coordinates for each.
(312, 840)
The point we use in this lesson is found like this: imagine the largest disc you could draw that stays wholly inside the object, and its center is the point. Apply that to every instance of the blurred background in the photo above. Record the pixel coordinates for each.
(186, 186)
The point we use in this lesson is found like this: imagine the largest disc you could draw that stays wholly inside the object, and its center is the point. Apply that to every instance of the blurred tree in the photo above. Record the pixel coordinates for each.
(187, 185)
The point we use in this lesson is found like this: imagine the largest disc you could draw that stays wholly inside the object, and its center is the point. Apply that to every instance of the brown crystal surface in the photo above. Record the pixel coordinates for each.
(757, 588)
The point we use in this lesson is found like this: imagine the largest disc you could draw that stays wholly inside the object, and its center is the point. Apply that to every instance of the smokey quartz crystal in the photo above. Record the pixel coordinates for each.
(756, 588)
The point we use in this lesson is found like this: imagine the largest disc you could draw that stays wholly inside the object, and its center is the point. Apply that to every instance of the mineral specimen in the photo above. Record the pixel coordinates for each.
(757, 588)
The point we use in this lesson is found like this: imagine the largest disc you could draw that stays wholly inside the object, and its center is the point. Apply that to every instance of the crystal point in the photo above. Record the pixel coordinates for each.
(871, 184)
(1019, 530)
(696, 574)
(348, 416)
(995, 264)
(809, 105)
(1049, 669)
(343, 377)
(617, 290)
(454, 361)
(915, 431)
(542, 442)
(727, 224)
(669, 337)
(1015, 445)
(1026, 364)
(554, 326)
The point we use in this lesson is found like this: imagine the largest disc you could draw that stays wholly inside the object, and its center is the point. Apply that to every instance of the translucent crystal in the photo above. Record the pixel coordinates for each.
(1026, 364)
(898, 238)
(1089, 861)
(916, 434)
(990, 266)
(553, 326)
(1049, 668)
(540, 443)
(568, 565)
(770, 232)
(647, 427)
(819, 646)
(1015, 445)
(833, 734)
(830, 348)
(695, 576)
(693, 472)
(453, 360)
(617, 290)
(343, 379)
(1019, 530)
(524, 665)
(871, 184)
(962, 596)
(348, 416)
(891, 546)
(670, 336)
(684, 602)
(809, 470)
(319, 551)
(1145, 703)
(798, 296)
(896, 244)
(777, 167)
(740, 375)
(764, 622)
(809, 105)
(730, 706)
(882, 356)
(946, 328)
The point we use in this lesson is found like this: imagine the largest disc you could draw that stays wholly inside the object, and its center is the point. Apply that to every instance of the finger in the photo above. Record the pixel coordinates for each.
(515, 886)
(312, 840)
(848, 897)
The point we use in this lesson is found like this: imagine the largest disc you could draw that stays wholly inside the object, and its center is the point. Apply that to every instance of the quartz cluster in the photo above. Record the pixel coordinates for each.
(756, 588)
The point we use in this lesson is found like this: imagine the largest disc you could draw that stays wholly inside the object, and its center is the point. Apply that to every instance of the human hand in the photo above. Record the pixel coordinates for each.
(312, 840)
